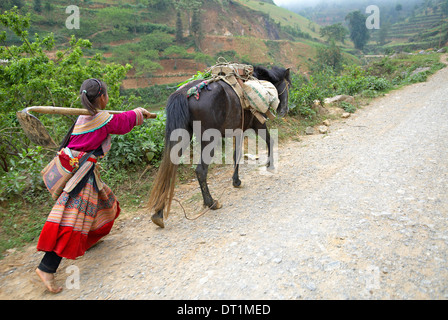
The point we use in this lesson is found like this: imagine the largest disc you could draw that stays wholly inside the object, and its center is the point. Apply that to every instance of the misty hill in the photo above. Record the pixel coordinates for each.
(405, 25)
(326, 12)
(426, 27)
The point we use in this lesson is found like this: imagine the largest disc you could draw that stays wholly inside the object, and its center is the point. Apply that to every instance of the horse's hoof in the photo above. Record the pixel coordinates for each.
(237, 184)
(216, 206)
(158, 220)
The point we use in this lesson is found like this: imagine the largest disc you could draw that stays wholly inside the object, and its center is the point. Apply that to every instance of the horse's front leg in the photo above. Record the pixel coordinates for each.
(263, 132)
(270, 164)
(237, 154)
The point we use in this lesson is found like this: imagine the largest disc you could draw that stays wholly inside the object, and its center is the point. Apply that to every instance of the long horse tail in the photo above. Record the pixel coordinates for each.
(177, 117)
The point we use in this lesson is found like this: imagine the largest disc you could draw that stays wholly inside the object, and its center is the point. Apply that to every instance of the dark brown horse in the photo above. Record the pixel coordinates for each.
(217, 108)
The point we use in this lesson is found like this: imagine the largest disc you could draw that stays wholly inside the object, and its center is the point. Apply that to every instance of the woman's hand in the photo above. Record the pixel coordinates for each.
(147, 114)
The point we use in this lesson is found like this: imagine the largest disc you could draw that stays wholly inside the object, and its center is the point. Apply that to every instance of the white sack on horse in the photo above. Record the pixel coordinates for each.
(261, 95)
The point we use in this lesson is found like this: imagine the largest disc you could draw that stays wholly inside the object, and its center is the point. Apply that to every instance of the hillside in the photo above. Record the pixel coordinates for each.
(426, 27)
(244, 31)
(146, 34)
(405, 25)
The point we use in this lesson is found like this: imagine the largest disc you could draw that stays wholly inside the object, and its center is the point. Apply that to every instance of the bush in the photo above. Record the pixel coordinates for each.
(144, 144)
(378, 84)
(352, 81)
(326, 83)
(355, 80)
(303, 95)
(348, 107)
(31, 78)
(154, 95)
(23, 177)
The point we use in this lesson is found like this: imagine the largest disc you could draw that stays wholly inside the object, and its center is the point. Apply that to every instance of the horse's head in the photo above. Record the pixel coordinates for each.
(281, 79)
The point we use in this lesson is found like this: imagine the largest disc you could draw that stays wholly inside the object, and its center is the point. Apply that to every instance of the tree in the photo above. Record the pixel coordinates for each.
(118, 19)
(159, 4)
(359, 33)
(175, 52)
(179, 28)
(382, 34)
(37, 6)
(9, 4)
(444, 8)
(28, 78)
(158, 40)
(335, 32)
(192, 9)
(329, 56)
(196, 27)
(48, 6)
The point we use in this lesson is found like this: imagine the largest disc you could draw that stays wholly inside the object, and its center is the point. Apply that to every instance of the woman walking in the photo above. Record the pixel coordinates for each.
(87, 208)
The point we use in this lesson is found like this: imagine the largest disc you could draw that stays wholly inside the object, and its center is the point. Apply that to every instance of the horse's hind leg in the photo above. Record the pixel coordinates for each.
(201, 174)
(157, 218)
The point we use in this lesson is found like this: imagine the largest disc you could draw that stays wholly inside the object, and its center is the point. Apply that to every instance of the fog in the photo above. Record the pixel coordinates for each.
(311, 3)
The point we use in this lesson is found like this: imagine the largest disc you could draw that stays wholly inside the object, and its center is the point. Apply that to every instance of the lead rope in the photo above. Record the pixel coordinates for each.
(204, 211)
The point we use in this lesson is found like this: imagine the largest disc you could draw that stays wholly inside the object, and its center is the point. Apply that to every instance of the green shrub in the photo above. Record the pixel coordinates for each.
(154, 95)
(352, 80)
(378, 84)
(31, 78)
(23, 177)
(303, 95)
(348, 107)
(143, 145)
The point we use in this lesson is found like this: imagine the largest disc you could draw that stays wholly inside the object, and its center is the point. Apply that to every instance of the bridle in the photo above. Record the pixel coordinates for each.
(286, 87)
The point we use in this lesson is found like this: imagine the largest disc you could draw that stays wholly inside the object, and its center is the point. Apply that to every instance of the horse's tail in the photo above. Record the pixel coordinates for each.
(177, 117)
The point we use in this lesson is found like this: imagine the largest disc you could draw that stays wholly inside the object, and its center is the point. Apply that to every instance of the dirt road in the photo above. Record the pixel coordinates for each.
(358, 213)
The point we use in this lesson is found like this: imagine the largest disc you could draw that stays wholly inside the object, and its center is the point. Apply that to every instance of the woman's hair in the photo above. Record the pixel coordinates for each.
(90, 91)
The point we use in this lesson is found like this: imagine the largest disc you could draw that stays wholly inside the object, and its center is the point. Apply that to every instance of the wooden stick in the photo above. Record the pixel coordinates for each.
(68, 111)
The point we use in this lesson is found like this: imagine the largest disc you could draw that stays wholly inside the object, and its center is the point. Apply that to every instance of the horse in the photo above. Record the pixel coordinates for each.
(218, 108)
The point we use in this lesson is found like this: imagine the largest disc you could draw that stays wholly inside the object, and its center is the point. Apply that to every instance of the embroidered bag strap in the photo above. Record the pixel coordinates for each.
(81, 172)
(66, 139)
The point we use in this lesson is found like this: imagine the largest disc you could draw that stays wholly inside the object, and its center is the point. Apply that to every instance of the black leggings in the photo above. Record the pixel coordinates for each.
(50, 262)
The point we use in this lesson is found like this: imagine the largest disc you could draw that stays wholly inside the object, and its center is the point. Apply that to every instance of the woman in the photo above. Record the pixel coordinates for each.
(87, 208)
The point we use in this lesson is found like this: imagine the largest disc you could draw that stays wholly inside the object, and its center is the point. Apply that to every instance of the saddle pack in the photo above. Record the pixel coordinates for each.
(256, 95)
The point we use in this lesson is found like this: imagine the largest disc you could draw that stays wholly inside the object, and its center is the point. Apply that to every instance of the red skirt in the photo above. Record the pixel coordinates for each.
(76, 224)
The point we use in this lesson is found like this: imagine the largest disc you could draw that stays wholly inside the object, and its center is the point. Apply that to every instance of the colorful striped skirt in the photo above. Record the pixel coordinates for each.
(77, 223)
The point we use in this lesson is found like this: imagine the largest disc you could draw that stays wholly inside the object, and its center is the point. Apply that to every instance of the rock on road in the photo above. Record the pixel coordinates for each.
(358, 213)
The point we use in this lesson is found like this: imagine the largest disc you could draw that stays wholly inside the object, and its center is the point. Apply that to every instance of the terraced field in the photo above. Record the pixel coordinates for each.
(417, 33)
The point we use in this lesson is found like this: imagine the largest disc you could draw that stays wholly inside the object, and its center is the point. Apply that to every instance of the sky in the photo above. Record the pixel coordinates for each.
(288, 2)
(305, 2)
(295, 3)
(300, 3)
(282, 2)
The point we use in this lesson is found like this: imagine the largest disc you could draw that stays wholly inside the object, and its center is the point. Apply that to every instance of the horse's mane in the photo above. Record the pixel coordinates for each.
(274, 75)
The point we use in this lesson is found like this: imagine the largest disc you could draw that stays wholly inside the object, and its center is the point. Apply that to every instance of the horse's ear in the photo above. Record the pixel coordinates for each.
(262, 72)
(287, 73)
